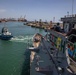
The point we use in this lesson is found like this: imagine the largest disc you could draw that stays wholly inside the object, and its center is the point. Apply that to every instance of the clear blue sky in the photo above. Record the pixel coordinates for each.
(36, 9)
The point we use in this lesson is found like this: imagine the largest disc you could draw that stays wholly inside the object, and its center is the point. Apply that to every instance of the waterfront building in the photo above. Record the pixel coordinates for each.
(50, 24)
(40, 22)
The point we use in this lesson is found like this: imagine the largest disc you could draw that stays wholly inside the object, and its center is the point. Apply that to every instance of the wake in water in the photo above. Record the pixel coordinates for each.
(24, 39)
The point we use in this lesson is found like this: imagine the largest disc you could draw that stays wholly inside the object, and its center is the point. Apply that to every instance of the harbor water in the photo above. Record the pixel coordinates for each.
(13, 54)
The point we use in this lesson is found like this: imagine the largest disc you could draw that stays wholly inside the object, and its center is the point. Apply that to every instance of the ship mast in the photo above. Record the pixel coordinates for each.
(72, 11)
(72, 7)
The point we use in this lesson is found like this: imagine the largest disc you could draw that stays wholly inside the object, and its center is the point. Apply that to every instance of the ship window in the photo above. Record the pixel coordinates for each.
(75, 26)
(72, 38)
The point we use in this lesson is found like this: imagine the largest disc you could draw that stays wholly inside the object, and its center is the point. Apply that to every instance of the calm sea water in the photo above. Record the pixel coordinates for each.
(14, 58)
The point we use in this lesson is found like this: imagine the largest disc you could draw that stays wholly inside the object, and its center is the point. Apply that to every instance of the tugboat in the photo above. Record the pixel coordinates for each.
(5, 34)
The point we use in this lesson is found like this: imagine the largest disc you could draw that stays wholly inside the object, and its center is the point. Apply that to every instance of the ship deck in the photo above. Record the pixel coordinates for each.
(43, 63)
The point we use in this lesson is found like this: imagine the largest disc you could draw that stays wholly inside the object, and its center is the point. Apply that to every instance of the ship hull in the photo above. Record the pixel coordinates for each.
(5, 37)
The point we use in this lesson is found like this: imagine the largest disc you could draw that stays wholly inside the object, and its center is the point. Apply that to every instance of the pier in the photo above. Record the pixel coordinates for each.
(42, 25)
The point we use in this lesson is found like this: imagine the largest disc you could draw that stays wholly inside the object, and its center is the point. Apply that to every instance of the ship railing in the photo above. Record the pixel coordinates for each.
(71, 45)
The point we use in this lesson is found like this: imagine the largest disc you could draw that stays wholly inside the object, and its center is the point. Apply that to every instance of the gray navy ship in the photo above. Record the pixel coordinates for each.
(54, 53)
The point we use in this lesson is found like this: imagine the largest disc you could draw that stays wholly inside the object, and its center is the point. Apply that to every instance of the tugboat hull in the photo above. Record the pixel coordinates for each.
(5, 37)
(5, 34)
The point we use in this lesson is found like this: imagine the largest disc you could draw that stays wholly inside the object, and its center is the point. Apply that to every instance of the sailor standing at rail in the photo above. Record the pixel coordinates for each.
(58, 28)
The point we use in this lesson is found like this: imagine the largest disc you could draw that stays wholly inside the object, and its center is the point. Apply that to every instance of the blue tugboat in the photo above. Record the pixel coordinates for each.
(5, 34)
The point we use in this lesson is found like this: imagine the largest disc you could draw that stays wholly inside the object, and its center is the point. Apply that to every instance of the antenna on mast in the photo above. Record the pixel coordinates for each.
(24, 16)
